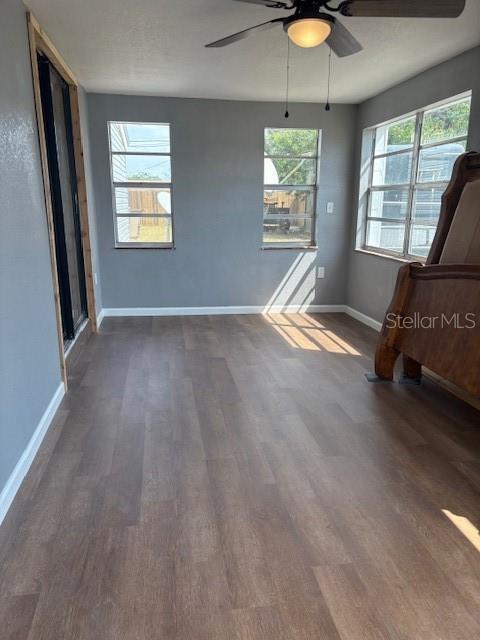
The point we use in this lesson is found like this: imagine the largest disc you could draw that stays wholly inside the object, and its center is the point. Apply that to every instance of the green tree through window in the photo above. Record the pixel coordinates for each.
(290, 186)
(295, 146)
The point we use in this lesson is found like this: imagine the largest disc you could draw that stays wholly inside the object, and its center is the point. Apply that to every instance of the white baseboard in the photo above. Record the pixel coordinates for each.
(10, 489)
(79, 333)
(361, 317)
(249, 309)
(211, 311)
(100, 318)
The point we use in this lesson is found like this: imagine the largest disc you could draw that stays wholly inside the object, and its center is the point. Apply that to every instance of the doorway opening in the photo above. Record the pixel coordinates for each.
(55, 96)
(56, 93)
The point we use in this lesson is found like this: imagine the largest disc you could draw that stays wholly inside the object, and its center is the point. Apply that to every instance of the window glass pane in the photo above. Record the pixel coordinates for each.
(141, 168)
(392, 169)
(288, 202)
(291, 229)
(436, 163)
(391, 203)
(450, 121)
(288, 171)
(426, 211)
(426, 205)
(395, 136)
(421, 238)
(138, 137)
(136, 230)
(291, 142)
(384, 234)
(142, 200)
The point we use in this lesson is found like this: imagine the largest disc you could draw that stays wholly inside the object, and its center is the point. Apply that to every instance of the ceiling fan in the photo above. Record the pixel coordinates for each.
(310, 26)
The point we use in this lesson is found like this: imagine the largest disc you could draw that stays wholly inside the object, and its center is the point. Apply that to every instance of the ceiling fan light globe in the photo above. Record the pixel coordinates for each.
(309, 32)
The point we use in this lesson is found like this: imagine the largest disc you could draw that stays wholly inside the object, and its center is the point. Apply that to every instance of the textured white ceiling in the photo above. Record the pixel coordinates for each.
(156, 47)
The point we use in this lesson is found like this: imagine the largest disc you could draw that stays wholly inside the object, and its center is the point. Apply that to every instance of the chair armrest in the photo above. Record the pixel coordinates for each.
(444, 271)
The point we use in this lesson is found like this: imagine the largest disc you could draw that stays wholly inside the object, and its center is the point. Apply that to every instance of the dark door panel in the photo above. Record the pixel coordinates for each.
(63, 186)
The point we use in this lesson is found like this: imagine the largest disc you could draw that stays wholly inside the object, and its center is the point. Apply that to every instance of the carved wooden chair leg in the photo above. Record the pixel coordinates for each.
(412, 371)
(385, 358)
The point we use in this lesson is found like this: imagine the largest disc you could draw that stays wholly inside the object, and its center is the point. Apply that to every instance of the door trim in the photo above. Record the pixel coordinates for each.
(39, 41)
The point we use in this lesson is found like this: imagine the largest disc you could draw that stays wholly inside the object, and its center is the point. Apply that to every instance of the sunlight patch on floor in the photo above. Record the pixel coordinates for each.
(281, 331)
(301, 331)
(465, 527)
(300, 338)
(303, 320)
(347, 346)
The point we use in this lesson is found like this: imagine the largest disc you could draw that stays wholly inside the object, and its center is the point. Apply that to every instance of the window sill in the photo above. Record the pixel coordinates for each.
(379, 254)
(168, 247)
(292, 247)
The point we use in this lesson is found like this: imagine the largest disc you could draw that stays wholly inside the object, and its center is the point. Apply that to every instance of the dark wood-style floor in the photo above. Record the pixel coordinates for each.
(237, 478)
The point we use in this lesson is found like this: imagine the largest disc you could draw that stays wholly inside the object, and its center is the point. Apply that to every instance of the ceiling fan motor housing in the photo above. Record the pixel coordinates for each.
(305, 15)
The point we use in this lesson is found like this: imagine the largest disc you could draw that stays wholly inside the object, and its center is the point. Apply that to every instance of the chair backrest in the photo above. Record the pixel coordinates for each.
(462, 244)
(456, 239)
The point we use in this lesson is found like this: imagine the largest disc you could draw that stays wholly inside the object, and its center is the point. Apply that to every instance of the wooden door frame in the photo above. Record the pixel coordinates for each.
(39, 41)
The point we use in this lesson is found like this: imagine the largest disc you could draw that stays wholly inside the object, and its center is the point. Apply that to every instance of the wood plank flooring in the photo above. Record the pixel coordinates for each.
(237, 478)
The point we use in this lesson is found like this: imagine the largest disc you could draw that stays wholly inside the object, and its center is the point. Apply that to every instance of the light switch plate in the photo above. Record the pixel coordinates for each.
(330, 207)
(320, 272)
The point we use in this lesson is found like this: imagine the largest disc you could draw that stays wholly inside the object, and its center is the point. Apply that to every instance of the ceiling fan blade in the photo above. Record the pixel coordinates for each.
(235, 37)
(403, 8)
(267, 3)
(342, 41)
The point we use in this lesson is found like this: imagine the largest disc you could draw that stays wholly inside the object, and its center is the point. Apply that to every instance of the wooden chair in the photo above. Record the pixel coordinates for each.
(434, 316)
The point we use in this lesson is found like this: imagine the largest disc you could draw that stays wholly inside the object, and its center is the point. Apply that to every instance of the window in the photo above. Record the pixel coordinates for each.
(141, 184)
(290, 187)
(410, 164)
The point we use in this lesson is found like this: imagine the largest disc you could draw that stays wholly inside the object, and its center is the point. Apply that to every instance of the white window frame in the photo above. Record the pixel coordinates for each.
(313, 189)
(141, 185)
(371, 133)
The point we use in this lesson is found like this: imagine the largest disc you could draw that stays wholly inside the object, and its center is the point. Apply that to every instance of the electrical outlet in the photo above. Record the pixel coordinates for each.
(320, 272)
(330, 207)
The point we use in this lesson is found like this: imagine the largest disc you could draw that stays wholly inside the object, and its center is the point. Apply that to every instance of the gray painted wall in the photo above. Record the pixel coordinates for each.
(371, 278)
(217, 161)
(29, 363)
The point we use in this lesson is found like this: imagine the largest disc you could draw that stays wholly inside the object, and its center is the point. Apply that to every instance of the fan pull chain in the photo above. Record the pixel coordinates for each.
(287, 114)
(327, 105)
